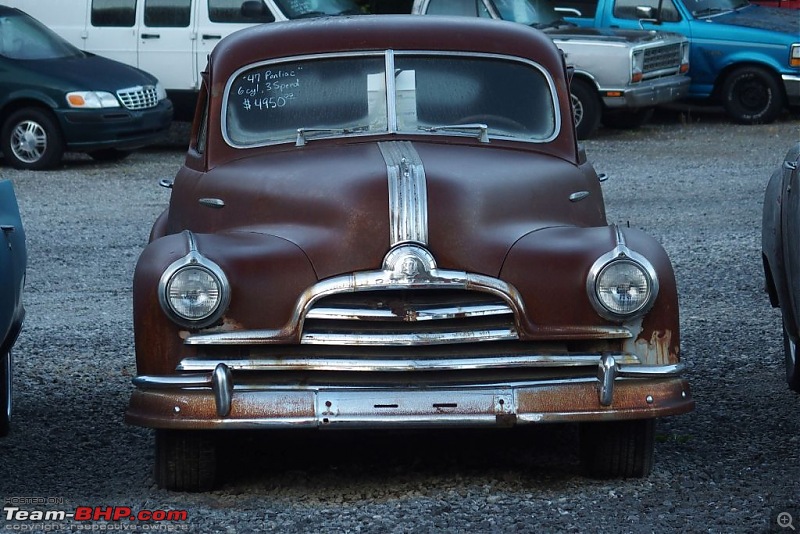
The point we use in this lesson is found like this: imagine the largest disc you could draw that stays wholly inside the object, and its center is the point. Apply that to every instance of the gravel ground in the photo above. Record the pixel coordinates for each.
(691, 179)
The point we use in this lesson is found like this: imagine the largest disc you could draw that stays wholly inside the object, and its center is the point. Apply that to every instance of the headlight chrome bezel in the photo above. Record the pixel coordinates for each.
(194, 260)
(621, 255)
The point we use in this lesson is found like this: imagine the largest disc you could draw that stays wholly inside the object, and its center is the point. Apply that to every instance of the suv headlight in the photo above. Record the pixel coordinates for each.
(622, 284)
(160, 92)
(794, 55)
(194, 291)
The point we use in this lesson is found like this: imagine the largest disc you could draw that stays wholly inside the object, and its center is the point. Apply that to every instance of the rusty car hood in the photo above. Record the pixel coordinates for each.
(332, 201)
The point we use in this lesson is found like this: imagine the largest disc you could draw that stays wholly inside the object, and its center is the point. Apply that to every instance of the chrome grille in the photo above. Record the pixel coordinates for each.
(136, 98)
(405, 318)
(662, 58)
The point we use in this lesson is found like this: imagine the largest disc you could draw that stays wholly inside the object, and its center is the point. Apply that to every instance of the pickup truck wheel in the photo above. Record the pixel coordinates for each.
(628, 119)
(618, 448)
(109, 154)
(5, 392)
(31, 139)
(586, 108)
(792, 362)
(185, 460)
(751, 95)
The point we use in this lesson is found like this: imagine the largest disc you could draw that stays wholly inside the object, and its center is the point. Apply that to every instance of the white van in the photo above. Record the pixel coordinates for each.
(170, 39)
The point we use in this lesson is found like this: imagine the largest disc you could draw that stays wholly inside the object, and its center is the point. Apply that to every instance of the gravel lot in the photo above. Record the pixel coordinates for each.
(691, 179)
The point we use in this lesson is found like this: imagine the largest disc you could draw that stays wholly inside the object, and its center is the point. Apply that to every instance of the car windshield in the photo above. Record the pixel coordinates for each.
(23, 37)
(297, 9)
(704, 8)
(437, 94)
(536, 13)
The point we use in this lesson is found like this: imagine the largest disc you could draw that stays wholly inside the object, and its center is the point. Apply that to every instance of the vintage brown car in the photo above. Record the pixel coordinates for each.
(387, 222)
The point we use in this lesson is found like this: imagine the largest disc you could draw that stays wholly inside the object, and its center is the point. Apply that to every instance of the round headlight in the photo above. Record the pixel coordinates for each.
(623, 287)
(193, 293)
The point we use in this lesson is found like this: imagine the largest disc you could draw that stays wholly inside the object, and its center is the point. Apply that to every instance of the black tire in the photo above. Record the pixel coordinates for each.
(629, 119)
(186, 460)
(6, 376)
(586, 108)
(752, 95)
(31, 139)
(109, 154)
(792, 363)
(618, 449)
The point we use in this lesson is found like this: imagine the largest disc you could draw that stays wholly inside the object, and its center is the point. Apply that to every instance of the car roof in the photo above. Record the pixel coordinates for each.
(381, 32)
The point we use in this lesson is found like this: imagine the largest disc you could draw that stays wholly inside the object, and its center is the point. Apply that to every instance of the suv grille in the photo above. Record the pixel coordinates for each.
(662, 60)
(136, 98)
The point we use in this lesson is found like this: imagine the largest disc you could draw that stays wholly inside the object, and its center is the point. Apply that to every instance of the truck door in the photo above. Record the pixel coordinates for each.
(219, 18)
(166, 42)
(112, 31)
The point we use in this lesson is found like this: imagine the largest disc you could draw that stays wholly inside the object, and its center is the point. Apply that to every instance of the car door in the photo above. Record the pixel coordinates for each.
(166, 42)
(790, 229)
(111, 30)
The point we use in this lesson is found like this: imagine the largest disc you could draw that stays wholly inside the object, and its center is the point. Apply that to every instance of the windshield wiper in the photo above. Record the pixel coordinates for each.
(482, 129)
(303, 132)
(709, 11)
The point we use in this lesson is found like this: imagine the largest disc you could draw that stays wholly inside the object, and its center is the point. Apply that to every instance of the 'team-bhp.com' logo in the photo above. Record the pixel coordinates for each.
(30, 514)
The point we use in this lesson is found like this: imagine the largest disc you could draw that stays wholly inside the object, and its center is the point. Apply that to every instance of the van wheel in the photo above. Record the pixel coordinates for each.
(618, 449)
(6, 376)
(109, 154)
(31, 139)
(186, 460)
(752, 95)
(586, 108)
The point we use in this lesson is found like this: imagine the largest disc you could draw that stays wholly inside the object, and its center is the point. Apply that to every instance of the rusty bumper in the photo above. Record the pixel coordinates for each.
(212, 402)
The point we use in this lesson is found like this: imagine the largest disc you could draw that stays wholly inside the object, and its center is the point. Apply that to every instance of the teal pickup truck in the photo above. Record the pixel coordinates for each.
(743, 56)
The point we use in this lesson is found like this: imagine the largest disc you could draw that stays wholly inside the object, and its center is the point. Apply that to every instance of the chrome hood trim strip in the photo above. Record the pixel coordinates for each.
(408, 193)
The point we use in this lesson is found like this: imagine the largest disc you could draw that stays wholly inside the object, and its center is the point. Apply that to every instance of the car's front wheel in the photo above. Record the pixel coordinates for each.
(586, 108)
(30, 139)
(6, 367)
(752, 95)
(792, 362)
(186, 460)
(618, 449)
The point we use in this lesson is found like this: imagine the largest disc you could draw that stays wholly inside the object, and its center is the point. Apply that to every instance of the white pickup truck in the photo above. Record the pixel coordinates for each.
(619, 75)
(170, 39)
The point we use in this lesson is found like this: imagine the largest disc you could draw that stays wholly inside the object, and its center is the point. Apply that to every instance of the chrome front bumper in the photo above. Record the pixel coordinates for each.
(213, 400)
(792, 85)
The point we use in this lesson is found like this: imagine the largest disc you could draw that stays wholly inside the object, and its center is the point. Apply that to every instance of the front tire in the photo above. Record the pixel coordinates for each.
(586, 108)
(752, 95)
(186, 460)
(6, 376)
(618, 449)
(30, 139)
(792, 362)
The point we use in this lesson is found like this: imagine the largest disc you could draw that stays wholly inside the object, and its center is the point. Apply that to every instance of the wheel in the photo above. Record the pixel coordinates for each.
(752, 95)
(6, 376)
(31, 139)
(186, 460)
(109, 154)
(586, 108)
(628, 119)
(618, 448)
(792, 362)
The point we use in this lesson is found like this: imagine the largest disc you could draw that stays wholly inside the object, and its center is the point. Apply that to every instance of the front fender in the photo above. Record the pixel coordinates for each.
(267, 274)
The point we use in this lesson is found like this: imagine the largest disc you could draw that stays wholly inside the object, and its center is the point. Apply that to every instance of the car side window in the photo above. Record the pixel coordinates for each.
(626, 9)
(167, 13)
(121, 13)
(230, 11)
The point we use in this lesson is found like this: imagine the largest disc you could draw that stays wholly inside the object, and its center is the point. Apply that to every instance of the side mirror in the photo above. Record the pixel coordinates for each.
(647, 13)
(253, 9)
